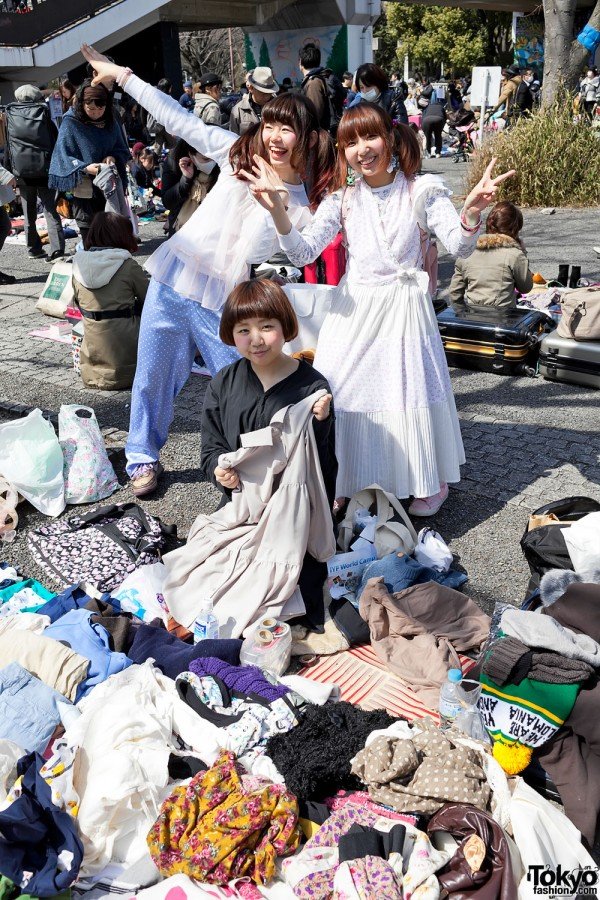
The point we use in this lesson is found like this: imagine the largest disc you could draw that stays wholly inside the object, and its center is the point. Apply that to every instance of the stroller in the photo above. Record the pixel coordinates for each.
(463, 124)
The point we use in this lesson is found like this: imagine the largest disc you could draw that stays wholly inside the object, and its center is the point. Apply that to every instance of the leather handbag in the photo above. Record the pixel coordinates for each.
(581, 314)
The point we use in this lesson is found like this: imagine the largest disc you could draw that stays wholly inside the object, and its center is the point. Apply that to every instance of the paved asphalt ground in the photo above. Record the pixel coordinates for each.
(528, 441)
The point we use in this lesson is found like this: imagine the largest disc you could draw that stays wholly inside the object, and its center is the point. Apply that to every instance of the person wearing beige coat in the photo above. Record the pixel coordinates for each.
(499, 265)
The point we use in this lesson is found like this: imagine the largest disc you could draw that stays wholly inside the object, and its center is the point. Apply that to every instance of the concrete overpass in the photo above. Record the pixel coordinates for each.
(44, 43)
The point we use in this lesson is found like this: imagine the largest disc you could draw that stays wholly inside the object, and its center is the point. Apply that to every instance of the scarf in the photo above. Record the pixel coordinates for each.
(77, 146)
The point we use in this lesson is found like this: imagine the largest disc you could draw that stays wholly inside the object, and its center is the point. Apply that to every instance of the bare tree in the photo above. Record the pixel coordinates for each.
(563, 56)
(209, 51)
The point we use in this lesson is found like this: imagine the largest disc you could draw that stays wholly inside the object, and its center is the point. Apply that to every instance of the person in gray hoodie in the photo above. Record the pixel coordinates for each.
(109, 289)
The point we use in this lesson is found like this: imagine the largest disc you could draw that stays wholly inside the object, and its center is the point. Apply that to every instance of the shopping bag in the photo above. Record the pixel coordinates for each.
(311, 304)
(393, 531)
(58, 291)
(87, 471)
(31, 459)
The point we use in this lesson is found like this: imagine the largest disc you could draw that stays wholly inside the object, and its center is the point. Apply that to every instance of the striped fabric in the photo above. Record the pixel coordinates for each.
(364, 680)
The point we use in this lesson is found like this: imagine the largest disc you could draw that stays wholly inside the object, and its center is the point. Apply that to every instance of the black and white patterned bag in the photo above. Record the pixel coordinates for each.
(101, 547)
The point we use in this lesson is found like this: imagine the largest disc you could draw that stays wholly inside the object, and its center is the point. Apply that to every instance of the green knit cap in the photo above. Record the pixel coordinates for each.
(521, 717)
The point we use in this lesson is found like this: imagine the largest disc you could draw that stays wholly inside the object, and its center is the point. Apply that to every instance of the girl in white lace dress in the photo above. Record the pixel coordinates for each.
(380, 348)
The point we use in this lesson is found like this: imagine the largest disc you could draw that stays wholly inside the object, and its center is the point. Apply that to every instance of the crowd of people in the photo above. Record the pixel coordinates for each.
(293, 191)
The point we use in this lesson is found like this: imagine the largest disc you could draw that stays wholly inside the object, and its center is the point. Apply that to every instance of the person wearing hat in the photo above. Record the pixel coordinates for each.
(32, 131)
(206, 105)
(187, 98)
(262, 87)
(512, 80)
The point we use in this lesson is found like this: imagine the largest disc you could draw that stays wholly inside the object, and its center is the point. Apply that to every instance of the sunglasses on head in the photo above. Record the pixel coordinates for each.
(99, 103)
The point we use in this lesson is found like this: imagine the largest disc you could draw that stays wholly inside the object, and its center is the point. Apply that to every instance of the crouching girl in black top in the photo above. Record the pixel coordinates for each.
(258, 319)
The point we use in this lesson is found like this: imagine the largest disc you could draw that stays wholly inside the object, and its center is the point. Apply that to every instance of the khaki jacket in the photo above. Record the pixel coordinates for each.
(490, 276)
(243, 116)
(418, 632)
(207, 109)
(109, 350)
(508, 94)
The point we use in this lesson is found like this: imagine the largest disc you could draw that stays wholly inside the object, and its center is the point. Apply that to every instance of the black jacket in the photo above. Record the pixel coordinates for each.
(235, 403)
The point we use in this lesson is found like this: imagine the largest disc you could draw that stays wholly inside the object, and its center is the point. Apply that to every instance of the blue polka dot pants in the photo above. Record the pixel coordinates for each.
(171, 330)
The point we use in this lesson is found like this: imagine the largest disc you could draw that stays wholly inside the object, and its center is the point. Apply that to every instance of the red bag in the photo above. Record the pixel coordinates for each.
(332, 260)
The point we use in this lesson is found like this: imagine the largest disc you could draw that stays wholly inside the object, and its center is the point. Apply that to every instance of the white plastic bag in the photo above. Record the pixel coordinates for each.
(583, 543)
(31, 458)
(432, 550)
(142, 593)
(57, 293)
(88, 473)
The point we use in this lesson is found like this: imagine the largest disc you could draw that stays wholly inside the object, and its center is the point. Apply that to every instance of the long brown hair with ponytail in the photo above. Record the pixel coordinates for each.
(366, 120)
(313, 160)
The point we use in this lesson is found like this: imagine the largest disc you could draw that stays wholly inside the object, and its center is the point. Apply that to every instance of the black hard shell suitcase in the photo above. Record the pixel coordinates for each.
(492, 340)
(576, 362)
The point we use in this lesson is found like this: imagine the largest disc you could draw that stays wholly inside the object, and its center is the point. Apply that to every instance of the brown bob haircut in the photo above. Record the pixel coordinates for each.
(368, 119)
(257, 299)
(314, 164)
(505, 218)
(110, 230)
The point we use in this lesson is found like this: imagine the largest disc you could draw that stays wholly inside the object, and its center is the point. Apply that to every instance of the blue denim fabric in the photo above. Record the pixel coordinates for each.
(29, 710)
(89, 639)
(401, 572)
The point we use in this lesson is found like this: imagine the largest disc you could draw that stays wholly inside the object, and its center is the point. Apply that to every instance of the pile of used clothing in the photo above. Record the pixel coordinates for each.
(139, 756)
(134, 761)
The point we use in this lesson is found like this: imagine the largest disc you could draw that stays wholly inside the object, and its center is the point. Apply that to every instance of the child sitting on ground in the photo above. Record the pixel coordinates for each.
(109, 289)
(499, 265)
(258, 319)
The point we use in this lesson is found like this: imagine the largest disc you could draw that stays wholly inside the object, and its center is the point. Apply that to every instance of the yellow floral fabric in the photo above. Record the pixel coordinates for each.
(213, 830)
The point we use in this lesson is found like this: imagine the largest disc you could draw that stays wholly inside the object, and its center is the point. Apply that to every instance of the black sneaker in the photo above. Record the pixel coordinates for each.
(7, 279)
(37, 254)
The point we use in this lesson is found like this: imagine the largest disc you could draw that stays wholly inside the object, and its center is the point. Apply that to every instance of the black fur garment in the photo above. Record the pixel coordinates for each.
(314, 757)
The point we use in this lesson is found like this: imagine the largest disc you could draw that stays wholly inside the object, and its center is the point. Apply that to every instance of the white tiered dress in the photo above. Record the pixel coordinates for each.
(379, 347)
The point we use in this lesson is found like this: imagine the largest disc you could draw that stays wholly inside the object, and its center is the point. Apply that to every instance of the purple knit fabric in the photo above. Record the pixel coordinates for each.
(245, 679)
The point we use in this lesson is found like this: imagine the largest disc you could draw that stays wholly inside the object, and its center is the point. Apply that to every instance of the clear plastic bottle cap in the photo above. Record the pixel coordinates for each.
(454, 675)
(205, 606)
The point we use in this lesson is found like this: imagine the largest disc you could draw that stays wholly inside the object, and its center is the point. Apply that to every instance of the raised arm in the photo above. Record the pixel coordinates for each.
(211, 141)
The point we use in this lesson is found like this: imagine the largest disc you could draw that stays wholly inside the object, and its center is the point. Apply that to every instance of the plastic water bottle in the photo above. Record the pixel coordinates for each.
(206, 626)
(450, 704)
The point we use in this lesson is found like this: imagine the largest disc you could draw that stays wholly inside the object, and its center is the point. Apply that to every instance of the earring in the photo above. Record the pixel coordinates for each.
(351, 177)
(393, 164)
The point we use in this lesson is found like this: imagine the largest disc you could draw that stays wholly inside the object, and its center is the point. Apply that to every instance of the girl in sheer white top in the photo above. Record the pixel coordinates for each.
(380, 348)
(195, 270)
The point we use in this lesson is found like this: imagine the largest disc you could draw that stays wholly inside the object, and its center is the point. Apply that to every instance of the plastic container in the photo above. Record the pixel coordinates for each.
(469, 719)
(450, 701)
(269, 647)
(206, 626)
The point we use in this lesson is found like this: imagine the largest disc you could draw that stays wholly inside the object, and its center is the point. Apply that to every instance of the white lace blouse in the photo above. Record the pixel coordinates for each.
(381, 227)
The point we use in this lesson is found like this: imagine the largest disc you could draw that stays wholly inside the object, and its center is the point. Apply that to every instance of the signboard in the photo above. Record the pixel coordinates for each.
(485, 85)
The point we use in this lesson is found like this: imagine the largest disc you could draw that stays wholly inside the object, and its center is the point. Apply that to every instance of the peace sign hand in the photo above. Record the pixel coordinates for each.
(266, 185)
(485, 190)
